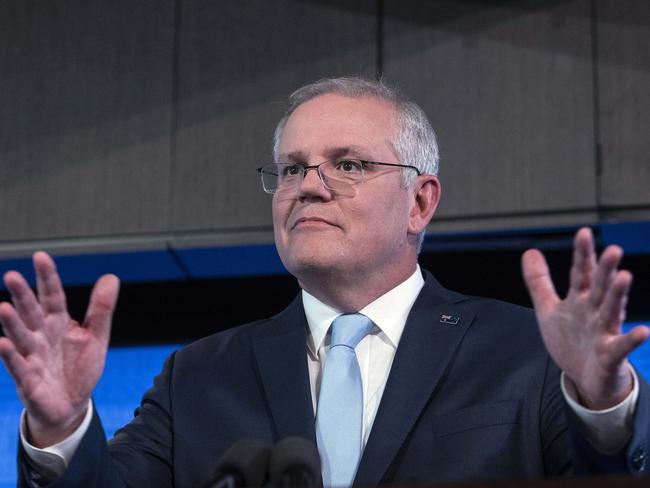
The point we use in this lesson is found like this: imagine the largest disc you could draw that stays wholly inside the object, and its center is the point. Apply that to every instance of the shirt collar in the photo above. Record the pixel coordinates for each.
(388, 312)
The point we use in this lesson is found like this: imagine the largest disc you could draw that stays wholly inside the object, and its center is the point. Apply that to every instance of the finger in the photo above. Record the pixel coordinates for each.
(101, 306)
(605, 273)
(48, 284)
(24, 300)
(612, 311)
(15, 363)
(584, 260)
(623, 345)
(15, 329)
(538, 280)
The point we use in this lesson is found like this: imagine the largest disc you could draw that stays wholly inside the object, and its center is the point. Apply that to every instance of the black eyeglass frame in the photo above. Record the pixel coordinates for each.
(306, 168)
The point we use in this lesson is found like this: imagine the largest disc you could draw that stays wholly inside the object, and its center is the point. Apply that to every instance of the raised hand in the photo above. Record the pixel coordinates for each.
(55, 361)
(582, 333)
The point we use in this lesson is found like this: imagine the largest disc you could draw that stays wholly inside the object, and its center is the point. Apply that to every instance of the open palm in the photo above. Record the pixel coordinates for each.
(582, 333)
(54, 360)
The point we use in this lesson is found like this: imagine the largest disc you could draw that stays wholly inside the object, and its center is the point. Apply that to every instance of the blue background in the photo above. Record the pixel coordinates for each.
(129, 372)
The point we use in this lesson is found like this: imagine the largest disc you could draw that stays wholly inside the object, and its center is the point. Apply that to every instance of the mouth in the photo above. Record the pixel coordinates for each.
(311, 222)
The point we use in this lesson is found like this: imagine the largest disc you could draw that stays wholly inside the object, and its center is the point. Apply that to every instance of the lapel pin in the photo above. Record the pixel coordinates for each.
(449, 319)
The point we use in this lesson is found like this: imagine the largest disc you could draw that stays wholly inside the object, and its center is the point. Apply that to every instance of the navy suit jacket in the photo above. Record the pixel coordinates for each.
(472, 394)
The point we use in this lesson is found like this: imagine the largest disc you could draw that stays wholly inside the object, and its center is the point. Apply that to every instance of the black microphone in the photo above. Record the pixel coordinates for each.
(244, 464)
(295, 463)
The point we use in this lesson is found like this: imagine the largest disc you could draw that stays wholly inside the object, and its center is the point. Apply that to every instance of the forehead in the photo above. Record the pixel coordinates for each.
(333, 120)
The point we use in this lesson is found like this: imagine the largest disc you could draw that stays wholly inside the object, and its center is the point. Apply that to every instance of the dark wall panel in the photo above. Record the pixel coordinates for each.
(238, 62)
(92, 91)
(85, 93)
(508, 87)
(624, 81)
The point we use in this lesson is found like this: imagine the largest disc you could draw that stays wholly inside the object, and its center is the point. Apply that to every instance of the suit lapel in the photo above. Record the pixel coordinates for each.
(281, 354)
(433, 331)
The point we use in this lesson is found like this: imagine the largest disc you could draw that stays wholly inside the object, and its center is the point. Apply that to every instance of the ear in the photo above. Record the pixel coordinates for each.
(426, 192)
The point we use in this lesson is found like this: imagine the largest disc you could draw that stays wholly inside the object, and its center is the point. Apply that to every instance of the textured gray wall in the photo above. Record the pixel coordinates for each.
(509, 89)
(139, 124)
(623, 33)
(237, 64)
(85, 126)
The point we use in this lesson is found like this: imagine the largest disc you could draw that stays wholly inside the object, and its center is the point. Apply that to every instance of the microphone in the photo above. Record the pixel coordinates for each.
(295, 463)
(244, 464)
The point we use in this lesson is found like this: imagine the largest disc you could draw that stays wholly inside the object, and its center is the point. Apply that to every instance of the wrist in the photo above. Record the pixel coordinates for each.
(603, 394)
(42, 435)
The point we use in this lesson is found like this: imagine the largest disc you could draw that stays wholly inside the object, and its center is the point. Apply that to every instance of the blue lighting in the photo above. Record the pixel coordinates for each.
(129, 373)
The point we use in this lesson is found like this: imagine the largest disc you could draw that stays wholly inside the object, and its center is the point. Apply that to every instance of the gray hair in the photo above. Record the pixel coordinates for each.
(415, 141)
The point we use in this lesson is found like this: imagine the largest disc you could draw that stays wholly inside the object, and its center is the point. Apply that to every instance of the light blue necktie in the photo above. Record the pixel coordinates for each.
(340, 404)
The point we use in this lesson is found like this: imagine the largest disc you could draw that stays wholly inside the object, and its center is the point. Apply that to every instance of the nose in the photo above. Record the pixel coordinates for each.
(312, 185)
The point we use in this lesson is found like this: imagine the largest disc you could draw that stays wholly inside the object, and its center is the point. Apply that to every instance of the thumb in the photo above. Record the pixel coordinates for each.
(102, 305)
(538, 280)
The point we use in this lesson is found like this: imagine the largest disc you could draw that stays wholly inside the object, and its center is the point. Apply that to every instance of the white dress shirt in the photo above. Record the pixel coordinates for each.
(608, 430)
(375, 352)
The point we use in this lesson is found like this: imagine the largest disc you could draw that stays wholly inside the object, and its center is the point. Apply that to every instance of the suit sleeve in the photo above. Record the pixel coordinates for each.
(632, 459)
(140, 454)
(567, 450)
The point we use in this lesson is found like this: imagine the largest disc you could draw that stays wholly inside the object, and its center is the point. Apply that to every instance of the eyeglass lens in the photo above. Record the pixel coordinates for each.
(334, 175)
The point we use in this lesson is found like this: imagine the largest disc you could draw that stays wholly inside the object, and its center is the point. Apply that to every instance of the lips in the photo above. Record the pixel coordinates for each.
(311, 220)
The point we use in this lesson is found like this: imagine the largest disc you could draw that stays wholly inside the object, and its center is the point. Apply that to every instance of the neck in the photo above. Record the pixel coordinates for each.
(350, 292)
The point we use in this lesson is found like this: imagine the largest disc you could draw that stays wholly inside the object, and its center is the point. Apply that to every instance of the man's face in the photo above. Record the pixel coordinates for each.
(361, 230)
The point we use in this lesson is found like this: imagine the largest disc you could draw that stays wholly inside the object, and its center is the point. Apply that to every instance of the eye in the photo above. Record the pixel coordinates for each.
(289, 170)
(349, 166)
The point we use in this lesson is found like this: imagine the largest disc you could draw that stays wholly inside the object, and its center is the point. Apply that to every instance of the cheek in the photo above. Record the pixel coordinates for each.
(390, 207)
(280, 210)
(388, 220)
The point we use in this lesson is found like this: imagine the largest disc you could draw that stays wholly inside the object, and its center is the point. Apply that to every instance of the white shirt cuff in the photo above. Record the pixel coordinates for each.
(610, 429)
(52, 461)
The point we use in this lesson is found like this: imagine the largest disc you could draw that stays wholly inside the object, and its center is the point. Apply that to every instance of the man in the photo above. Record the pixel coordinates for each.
(434, 386)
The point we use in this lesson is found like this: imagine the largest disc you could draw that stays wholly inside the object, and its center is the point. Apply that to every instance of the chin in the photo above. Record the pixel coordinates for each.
(310, 264)
(296, 265)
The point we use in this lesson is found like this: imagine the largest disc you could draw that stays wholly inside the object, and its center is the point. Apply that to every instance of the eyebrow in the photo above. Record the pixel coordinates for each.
(331, 153)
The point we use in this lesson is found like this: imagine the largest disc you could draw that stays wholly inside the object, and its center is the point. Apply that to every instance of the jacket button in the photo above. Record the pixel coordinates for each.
(638, 459)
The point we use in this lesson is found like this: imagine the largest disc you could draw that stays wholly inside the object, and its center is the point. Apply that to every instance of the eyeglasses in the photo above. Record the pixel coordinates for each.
(337, 174)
